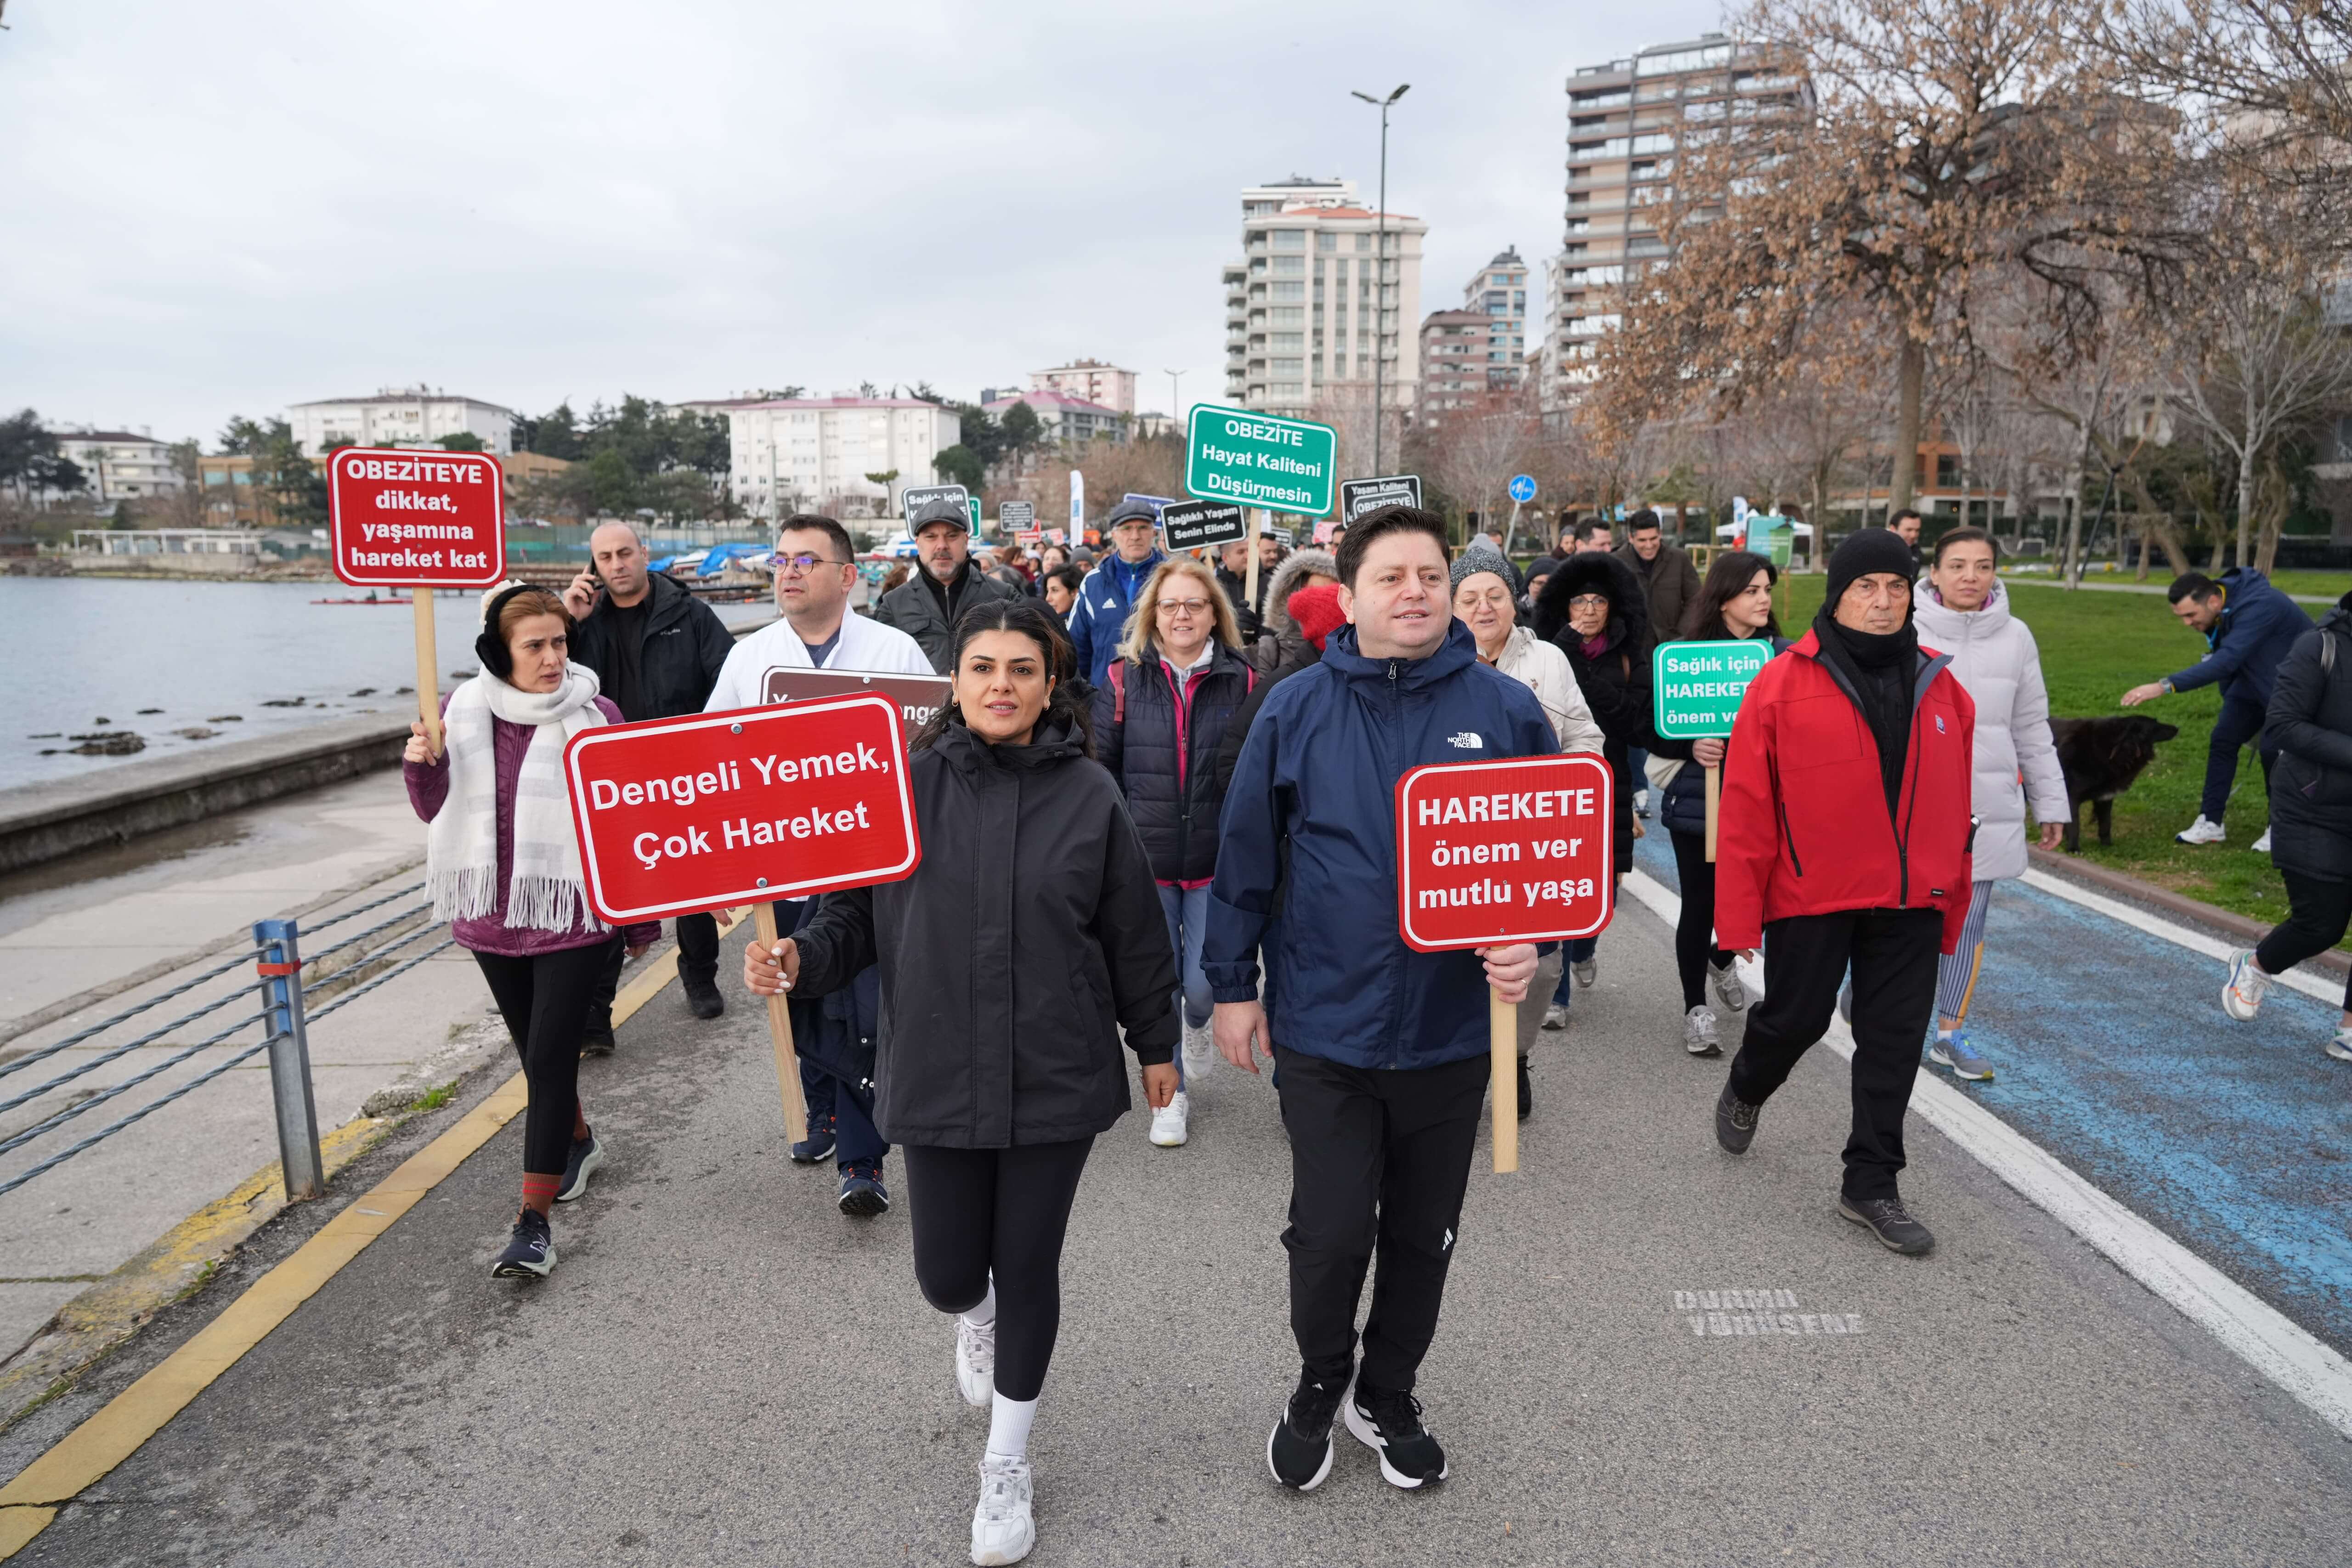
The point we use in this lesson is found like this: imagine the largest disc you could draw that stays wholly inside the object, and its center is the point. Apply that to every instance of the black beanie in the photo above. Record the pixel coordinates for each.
(1872, 549)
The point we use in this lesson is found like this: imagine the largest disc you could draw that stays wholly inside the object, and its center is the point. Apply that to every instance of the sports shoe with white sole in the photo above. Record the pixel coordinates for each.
(1168, 1129)
(1298, 1450)
(1555, 1017)
(1388, 1422)
(2339, 1045)
(2201, 831)
(1002, 1528)
(586, 1156)
(1698, 1032)
(1587, 970)
(975, 1361)
(1953, 1051)
(2242, 998)
(1729, 989)
(2262, 845)
(531, 1249)
(1200, 1051)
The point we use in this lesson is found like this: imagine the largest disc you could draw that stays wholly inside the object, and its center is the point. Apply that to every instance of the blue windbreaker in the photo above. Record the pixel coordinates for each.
(2258, 625)
(1098, 618)
(1306, 858)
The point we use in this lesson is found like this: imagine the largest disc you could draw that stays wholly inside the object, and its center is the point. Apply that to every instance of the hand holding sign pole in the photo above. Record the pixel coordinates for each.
(1494, 854)
(1696, 691)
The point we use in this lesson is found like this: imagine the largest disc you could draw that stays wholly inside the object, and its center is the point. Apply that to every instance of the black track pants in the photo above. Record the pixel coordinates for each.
(1695, 946)
(544, 999)
(982, 1214)
(698, 959)
(1893, 954)
(2318, 913)
(1379, 1161)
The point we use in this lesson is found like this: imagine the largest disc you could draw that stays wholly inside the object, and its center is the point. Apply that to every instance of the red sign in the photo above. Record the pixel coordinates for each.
(1503, 852)
(917, 696)
(419, 518)
(679, 815)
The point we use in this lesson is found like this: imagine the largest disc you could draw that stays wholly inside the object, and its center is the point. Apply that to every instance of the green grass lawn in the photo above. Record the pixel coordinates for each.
(2095, 647)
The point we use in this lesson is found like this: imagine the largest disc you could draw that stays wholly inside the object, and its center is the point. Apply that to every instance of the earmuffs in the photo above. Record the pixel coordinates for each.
(488, 647)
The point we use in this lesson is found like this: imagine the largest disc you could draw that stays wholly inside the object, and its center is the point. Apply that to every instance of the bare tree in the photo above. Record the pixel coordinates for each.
(1476, 451)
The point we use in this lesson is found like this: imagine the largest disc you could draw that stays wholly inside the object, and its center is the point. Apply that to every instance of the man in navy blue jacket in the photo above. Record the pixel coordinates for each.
(1098, 620)
(1382, 1052)
(2249, 626)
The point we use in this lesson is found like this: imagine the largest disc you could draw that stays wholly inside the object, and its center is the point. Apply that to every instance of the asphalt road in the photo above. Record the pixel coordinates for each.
(724, 1371)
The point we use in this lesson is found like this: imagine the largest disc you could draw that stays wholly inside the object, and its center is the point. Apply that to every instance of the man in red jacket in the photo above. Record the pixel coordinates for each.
(1844, 839)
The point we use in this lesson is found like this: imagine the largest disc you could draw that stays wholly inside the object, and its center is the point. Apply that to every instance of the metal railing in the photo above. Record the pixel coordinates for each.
(295, 991)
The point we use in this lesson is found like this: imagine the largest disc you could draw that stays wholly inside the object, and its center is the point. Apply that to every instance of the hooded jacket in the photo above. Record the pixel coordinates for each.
(913, 608)
(1995, 659)
(1803, 827)
(682, 645)
(1308, 864)
(1279, 642)
(1163, 752)
(2257, 628)
(1098, 618)
(1543, 668)
(1028, 938)
(2310, 721)
(1616, 685)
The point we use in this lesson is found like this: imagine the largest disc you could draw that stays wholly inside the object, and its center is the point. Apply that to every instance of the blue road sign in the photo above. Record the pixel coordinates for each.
(1523, 488)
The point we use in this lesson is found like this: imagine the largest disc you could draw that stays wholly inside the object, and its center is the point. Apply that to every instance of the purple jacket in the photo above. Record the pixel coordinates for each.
(428, 788)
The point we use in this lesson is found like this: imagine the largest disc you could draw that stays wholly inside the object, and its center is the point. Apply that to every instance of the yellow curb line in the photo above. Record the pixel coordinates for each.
(85, 1454)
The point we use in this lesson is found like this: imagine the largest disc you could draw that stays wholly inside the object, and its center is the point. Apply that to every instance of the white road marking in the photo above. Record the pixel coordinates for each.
(2329, 991)
(2246, 1325)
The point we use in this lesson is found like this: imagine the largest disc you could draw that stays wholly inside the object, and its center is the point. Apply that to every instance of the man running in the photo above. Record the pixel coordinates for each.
(1382, 1052)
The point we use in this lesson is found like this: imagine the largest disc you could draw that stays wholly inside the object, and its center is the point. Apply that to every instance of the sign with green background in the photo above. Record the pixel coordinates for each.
(1261, 459)
(1696, 687)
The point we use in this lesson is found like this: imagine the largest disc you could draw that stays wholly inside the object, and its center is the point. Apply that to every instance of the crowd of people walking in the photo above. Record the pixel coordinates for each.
(1156, 811)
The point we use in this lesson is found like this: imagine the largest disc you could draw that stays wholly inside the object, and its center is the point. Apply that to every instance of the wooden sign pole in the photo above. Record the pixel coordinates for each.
(1714, 794)
(1249, 586)
(428, 668)
(1503, 1023)
(780, 1029)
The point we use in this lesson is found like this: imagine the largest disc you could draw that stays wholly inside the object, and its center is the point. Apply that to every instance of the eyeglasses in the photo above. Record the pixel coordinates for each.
(801, 565)
(1588, 602)
(1185, 606)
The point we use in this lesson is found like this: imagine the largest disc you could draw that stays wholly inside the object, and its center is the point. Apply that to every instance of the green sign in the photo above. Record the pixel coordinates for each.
(1696, 687)
(1771, 536)
(1262, 460)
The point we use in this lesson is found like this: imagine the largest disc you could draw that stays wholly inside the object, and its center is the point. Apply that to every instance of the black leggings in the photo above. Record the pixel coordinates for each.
(1695, 946)
(544, 999)
(982, 1214)
(2317, 914)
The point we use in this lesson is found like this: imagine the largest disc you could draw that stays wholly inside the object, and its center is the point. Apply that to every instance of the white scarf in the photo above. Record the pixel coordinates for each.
(547, 890)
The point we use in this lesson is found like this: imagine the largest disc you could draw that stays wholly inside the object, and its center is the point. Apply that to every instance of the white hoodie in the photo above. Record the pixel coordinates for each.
(1995, 659)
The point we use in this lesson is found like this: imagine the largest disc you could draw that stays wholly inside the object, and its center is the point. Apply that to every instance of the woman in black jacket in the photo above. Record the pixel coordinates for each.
(1010, 960)
(1734, 604)
(1160, 717)
(2310, 721)
(1593, 606)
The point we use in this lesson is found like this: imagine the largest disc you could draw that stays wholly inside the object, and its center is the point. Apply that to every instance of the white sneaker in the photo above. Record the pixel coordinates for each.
(1586, 972)
(2339, 1045)
(2242, 998)
(1200, 1051)
(1728, 988)
(1002, 1529)
(2201, 832)
(2262, 846)
(1168, 1128)
(976, 1362)
(1555, 1017)
(1698, 1032)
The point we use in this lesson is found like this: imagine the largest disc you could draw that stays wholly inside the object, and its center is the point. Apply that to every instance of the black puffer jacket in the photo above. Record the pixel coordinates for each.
(1028, 938)
(1279, 642)
(1163, 752)
(682, 647)
(1616, 684)
(2310, 720)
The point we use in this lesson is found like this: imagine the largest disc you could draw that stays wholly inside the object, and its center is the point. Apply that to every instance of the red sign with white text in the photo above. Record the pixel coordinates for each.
(1503, 852)
(416, 518)
(725, 809)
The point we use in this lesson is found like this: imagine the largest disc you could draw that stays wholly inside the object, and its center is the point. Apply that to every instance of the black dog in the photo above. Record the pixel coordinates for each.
(2102, 757)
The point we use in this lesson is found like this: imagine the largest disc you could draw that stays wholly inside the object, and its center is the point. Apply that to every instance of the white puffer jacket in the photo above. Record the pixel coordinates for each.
(1994, 658)
(1543, 669)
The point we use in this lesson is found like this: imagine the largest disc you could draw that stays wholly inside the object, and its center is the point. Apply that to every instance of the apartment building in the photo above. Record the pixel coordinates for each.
(1312, 305)
(814, 454)
(1457, 368)
(118, 464)
(1498, 291)
(399, 416)
(1091, 381)
(1067, 421)
(1627, 120)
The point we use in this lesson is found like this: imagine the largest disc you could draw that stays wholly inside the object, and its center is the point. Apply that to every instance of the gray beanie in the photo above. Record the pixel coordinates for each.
(1479, 558)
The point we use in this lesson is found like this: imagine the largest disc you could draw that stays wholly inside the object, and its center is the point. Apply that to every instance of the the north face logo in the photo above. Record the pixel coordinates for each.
(1469, 740)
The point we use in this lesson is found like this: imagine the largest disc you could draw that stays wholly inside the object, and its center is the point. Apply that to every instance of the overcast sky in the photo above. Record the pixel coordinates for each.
(228, 207)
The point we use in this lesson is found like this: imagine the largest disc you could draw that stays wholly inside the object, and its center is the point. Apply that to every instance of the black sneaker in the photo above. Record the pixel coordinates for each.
(862, 1194)
(817, 1145)
(531, 1249)
(1527, 1092)
(1298, 1450)
(702, 996)
(597, 1040)
(585, 1156)
(1735, 1121)
(1388, 1422)
(1890, 1222)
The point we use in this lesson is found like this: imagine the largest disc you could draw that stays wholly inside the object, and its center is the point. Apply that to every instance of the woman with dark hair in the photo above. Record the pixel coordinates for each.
(1734, 604)
(502, 865)
(1594, 607)
(1060, 588)
(1029, 937)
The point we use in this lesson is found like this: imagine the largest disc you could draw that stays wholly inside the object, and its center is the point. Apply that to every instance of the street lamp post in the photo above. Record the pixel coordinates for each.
(1175, 396)
(1381, 275)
